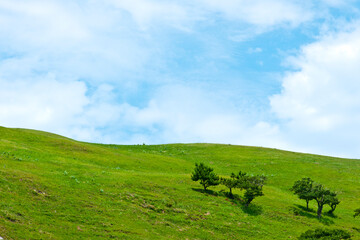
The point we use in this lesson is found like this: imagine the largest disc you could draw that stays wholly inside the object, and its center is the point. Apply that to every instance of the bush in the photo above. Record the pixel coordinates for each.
(325, 234)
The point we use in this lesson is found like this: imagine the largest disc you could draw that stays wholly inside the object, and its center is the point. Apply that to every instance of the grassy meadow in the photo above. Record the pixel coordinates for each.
(52, 187)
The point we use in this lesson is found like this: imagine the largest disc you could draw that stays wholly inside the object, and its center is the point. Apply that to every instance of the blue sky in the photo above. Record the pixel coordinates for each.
(273, 73)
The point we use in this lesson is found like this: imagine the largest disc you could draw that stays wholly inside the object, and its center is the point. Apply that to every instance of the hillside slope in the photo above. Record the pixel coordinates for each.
(53, 187)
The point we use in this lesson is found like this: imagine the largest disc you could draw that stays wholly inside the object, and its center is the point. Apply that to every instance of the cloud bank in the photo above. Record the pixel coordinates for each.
(319, 102)
(174, 71)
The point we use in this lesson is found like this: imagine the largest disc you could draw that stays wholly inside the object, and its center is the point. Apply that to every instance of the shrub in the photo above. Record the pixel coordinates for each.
(325, 234)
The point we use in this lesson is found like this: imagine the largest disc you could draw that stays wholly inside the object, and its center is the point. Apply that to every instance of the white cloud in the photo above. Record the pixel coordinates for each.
(80, 38)
(147, 13)
(60, 106)
(262, 13)
(320, 101)
(180, 113)
(184, 15)
(254, 50)
(338, 3)
(41, 23)
(40, 104)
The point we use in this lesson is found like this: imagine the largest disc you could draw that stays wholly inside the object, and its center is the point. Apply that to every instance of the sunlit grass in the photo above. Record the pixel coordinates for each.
(56, 188)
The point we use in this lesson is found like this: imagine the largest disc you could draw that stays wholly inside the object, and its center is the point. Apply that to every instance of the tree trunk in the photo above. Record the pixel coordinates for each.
(230, 194)
(307, 204)
(204, 187)
(319, 211)
(248, 201)
(333, 207)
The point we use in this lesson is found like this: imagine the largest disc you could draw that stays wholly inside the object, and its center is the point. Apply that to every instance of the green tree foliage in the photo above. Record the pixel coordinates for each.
(332, 201)
(323, 196)
(303, 189)
(253, 188)
(233, 182)
(357, 212)
(206, 175)
(325, 234)
(306, 189)
(251, 184)
(230, 183)
(251, 193)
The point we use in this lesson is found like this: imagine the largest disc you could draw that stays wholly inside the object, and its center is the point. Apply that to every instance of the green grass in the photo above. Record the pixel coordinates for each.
(53, 187)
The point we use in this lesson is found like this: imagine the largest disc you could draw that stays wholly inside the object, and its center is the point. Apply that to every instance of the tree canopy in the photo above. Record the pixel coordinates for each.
(251, 184)
(303, 189)
(206, 175)
(308, 190)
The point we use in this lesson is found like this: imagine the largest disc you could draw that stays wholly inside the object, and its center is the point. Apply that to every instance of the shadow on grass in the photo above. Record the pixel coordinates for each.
(311, 213)
(207, 191)
(252, 209)
(331, 214)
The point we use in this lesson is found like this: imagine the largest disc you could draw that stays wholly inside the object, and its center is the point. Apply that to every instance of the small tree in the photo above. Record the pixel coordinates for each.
(233, 182)
(303, 189)
(253, 186)
(357, 212)
(251, 193)
(333, 201)
(230, 183)
(323, 196)
(206, 175)
(307, 190)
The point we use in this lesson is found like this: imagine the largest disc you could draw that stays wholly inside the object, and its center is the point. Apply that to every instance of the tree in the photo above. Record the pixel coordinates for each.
(233, 182)
(323, 196)
(357, 212)
(307, 190)
(333, 201)
(253, 186)
(230, 183)
(206, 175)
(303, 189)
(251, 193)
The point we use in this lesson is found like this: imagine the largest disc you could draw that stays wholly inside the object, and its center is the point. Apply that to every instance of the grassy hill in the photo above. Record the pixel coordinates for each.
(52, 187)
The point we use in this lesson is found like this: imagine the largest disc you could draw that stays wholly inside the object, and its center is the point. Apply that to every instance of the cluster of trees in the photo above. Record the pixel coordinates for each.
(251, 184)
(307, 190)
